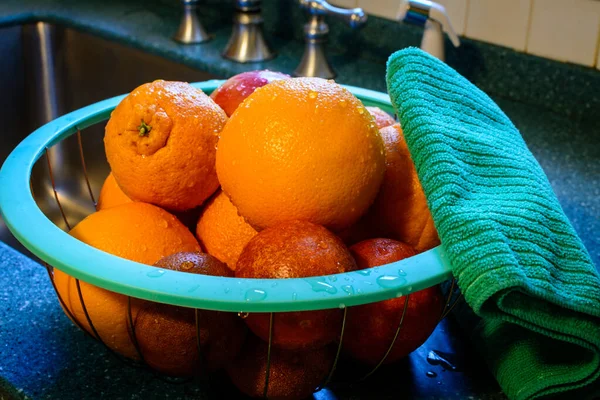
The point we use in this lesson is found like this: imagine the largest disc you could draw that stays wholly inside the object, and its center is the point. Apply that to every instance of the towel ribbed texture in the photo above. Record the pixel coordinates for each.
(518, 262)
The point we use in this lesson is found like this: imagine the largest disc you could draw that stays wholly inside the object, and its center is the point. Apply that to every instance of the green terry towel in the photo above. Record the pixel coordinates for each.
(518, 262)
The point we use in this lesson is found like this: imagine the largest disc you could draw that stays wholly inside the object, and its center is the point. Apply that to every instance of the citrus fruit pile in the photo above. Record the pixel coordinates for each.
(269, 177)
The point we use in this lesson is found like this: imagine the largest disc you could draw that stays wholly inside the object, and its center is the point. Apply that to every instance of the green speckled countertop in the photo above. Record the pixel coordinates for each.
(555, 106)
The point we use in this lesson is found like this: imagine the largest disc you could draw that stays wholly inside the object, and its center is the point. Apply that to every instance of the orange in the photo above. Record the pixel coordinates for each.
(222, 231)
(400, 210)
(301, 148)
(111, 194)
(382, 119)
(296, 249)
(371, 328)
(161, 142)
(136, 231)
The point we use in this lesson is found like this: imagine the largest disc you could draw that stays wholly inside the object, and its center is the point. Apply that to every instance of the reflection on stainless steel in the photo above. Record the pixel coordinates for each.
(314, 61)
(190, 29)
(63, 70)
(247, 42)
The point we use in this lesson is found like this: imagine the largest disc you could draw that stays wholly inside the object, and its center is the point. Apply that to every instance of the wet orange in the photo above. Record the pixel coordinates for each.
(111, 194)
(400, 210)
(222, 231)
(301, 148)
(382, 119)
(137, 231)
(295, 249)
(161, 142)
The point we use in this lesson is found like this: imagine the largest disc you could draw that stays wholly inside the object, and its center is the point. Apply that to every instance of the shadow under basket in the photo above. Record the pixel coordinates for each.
(46, 187)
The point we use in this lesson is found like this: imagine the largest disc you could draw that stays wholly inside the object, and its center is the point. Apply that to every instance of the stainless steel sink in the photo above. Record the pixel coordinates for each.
(47, 71)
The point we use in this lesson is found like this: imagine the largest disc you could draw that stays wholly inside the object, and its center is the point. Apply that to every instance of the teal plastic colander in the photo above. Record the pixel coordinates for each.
(57, 248)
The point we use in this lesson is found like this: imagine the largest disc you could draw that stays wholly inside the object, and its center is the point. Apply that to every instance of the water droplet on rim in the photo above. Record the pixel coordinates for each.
(319, 285)
(156, 273)
(390, 281)
(348, 289)
(255, 295)
(401, 273)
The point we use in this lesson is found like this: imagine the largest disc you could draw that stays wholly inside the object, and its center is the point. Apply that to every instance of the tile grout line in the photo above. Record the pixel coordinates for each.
(529, 21)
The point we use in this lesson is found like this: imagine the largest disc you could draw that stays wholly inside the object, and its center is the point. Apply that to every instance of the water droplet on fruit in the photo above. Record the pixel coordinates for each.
(390, 281)
(318, 285)
(401, 273)
(360, 110)
(243, 315)
(163, 222)
(157, 273)
(312, 94)
(322, 245)
(343, 103)
(364, 272)
(348, 289)
(255, 295)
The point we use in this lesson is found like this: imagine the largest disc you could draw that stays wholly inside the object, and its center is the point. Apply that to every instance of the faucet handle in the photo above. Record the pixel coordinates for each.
(354, 17)
(190, 29)
(420, 11)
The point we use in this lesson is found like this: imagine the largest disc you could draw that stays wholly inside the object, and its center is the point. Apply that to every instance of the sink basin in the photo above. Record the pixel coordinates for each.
(48, 71)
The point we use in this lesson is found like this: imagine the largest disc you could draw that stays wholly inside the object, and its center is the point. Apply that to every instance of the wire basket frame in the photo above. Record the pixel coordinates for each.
(451, 300)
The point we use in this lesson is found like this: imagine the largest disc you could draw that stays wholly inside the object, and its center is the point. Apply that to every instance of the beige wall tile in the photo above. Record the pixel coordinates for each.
(381, 8)
(344, 3)
(502, 22)
(457, 12)
(565, 30)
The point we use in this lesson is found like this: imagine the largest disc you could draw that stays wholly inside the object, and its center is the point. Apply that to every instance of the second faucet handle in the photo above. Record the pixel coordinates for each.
(314, 61)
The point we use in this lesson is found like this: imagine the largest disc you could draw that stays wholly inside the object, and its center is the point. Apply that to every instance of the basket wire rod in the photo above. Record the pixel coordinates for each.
(83, 165)
(447, 307)
(337, 354)
(54, 189)
(269, 346)
(201, 363)
(134, 340)
(89, 319)
(389, 350)
(62, 302)
(458, 299)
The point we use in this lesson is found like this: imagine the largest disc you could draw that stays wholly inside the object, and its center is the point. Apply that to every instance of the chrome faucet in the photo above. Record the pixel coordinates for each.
(190, 29)
(314, 61)
(247, 42)
(432, 16)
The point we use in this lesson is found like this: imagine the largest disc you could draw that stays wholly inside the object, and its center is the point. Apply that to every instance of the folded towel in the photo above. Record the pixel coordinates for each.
(517, 260)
